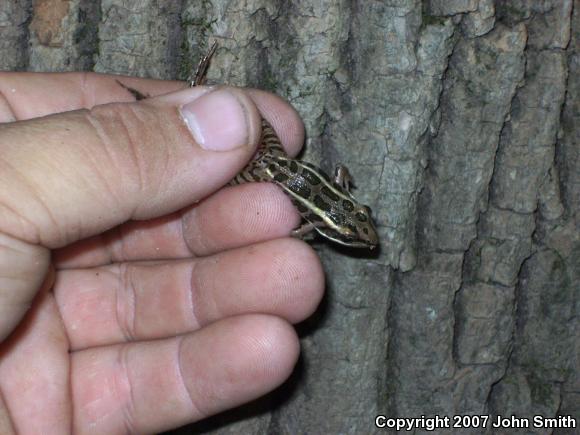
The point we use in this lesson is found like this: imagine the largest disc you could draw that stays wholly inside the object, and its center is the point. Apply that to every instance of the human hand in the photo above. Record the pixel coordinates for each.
(123, 308)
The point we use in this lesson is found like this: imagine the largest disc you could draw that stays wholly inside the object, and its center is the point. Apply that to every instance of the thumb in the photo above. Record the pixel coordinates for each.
(68, 176)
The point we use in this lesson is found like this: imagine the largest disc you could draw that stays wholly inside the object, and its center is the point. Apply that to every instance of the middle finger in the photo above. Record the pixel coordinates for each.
(231, 218)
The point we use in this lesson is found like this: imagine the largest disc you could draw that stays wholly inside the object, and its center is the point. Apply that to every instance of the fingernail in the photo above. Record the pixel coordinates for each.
(217, 121)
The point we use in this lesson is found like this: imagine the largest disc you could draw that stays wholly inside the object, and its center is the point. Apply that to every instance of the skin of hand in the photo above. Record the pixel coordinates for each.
(137, 294)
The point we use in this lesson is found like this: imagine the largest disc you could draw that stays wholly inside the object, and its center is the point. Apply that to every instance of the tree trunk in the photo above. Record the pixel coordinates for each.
(460, 123)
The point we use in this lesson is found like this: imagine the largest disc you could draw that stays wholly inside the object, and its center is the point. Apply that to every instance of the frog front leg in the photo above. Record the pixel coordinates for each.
(342, 177)
(305, 230)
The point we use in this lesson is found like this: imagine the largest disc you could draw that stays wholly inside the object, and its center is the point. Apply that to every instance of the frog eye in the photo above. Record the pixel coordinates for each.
(361, 217)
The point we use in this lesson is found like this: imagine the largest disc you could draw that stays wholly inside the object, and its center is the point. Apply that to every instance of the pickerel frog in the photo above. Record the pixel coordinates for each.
(326, 206)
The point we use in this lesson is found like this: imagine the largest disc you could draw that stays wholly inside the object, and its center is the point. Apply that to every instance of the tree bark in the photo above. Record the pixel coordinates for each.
(460, 123)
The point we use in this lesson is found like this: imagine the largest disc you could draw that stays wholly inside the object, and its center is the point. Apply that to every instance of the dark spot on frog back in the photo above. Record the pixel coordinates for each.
(299, 187)
(299, 206)
(321, 203)
(361, 217)
(311, 177)
(329, 193)
(280, 177)
(347, 205)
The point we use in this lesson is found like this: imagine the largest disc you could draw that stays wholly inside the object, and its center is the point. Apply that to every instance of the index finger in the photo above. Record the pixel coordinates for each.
(25, 95)
(31, 95)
